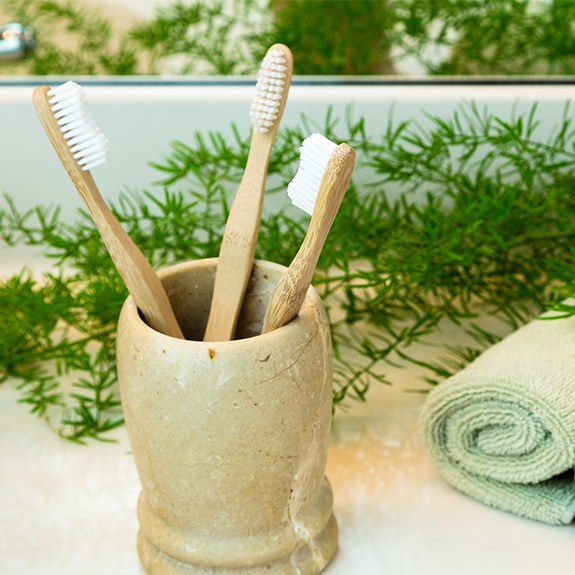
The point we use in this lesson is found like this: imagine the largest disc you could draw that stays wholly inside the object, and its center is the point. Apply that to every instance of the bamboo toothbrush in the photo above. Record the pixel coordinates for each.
(235, 261)
(318, 188)
(81, 146)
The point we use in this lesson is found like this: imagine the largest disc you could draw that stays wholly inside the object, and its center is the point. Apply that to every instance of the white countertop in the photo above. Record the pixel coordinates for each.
(67, 509)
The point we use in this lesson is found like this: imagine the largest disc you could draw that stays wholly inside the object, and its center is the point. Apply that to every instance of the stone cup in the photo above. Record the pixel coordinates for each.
(229, 438)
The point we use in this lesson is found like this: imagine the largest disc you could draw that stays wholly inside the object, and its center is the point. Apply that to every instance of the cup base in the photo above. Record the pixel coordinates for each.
(310, 558)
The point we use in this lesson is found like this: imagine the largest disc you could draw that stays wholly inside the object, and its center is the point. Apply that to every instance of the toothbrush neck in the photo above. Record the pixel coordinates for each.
(261, 148)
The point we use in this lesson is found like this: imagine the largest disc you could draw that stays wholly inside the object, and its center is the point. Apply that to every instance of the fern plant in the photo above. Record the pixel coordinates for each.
(471, 218)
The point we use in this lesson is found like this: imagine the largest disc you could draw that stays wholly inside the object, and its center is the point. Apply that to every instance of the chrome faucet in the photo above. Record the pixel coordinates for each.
(16, 41)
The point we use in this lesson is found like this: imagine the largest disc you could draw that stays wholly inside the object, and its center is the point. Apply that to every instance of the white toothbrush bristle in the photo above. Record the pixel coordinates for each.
(315, 152)
(269, 91)
(85, 140)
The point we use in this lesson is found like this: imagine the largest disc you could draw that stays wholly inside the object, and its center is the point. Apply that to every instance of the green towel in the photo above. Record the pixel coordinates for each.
(502, 430)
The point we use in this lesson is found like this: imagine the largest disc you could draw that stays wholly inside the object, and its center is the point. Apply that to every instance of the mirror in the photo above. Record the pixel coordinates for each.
(374, 38)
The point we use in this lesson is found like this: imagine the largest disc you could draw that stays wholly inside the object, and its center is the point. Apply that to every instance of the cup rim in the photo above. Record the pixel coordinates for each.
(130, 308)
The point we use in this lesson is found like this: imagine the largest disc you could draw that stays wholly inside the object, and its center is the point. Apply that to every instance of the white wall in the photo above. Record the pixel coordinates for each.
(141, 122)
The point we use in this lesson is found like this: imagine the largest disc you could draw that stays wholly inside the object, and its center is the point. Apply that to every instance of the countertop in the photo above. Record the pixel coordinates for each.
(67, 509)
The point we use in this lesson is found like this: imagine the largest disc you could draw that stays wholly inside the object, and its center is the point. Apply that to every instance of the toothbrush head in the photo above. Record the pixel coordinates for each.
(315, 154)
(88, 145)
(272, 86)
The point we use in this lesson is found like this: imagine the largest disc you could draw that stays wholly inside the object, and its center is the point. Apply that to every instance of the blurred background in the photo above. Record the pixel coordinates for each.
(327, 37)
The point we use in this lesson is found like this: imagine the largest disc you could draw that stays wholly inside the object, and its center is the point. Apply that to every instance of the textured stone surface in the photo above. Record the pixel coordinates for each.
(230, 438)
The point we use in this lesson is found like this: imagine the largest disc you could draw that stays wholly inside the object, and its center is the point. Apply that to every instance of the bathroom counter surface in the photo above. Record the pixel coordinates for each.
(68, 509)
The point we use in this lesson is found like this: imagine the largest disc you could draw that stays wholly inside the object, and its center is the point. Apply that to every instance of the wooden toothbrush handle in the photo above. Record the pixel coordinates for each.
(138, 275)
(236, 257)
(290, 291)
(288, 295)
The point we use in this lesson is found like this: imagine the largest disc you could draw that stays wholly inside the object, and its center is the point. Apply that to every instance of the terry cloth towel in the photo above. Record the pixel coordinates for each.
(502, 430)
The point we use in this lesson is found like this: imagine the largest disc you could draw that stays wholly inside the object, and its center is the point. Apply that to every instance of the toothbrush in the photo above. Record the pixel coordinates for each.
(81, 146)
(318, 188)
(235, 261)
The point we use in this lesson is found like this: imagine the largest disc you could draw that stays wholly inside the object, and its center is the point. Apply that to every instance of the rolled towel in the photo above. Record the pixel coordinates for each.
(502, 430)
